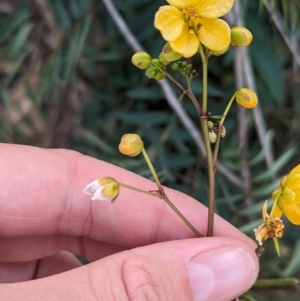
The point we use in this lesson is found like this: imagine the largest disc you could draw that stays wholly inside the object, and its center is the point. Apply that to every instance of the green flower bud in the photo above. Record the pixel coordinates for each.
(131, 145)
(210, 125)
(155, 62)
(103, 189)
(169, 54)
(162, 59)
(175, 66)
(141, 59)
(183, 64)
(246, 98)
(240, 36)
(151, 72)
(160, 76)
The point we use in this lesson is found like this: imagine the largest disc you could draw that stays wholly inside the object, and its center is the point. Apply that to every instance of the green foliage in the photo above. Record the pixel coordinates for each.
(70, 83)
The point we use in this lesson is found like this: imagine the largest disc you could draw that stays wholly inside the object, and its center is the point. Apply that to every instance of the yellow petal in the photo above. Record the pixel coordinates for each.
(264, 210)
(169, 20)
(180, 4)
(213, 8)
(276, 193)
(292, 212)
(187, 44)
(276, 211)
(214, 34)
(296, 169)
(292, 180)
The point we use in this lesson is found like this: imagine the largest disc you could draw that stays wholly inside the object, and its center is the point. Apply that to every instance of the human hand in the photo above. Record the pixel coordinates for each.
(139, 249)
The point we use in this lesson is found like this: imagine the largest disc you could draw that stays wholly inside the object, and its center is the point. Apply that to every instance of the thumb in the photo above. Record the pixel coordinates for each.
(194, 269)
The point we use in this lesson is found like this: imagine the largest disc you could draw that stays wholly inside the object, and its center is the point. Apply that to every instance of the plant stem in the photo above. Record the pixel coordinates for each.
(227, 109)
(165, 198)
(217, 146)
(285, 283)
(188, 92)
(210, 165)
(153, 172)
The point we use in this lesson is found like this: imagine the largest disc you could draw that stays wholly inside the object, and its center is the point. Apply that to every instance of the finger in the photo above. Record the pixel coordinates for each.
(22, 271)
(209, 269)
(45, 198)
(44, 246)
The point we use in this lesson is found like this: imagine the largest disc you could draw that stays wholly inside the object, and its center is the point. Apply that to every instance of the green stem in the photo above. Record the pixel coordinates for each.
(217, 146)
(285, 283)
(138, 190)
(188, 92)
(209, 158)
(153, 172)
(227, 109)
(172, 206)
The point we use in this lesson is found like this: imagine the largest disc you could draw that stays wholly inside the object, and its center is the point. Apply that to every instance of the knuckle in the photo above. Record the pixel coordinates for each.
(141, 281)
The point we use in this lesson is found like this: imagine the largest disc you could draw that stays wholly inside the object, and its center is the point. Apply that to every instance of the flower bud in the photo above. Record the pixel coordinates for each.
(162, 59)
(240, 36)
(212, 136)
(246, 98)
(141, 59)
(155, 62)
(210, 125)
(223, 131)
(131, 145)
(103, 189)
(175, 66)
(160, 76)
(169, 54)
(151, 72)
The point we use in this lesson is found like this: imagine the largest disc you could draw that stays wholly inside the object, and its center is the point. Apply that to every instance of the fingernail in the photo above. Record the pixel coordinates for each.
(221, 274)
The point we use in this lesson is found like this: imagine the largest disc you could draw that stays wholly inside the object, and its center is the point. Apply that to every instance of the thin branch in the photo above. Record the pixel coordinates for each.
(168, 92)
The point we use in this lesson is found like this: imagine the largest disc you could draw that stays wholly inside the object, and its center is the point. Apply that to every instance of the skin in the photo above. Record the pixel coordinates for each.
(138, 248)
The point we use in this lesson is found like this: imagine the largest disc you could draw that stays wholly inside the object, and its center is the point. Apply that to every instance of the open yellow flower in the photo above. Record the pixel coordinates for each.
(186, 23)
(287, 196)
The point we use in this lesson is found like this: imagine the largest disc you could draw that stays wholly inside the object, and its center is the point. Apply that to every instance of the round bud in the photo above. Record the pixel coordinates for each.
(175, 66)
(103, 189)
(151, 72)
(160, 76)
(210, 125)
(223, 131)
(240, 36)
(131, 145)
(169, 54)
(246, 98)
(212, 136)
(141, 59)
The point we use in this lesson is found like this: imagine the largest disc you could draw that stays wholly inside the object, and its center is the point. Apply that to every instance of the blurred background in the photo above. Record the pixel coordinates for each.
(67, 81)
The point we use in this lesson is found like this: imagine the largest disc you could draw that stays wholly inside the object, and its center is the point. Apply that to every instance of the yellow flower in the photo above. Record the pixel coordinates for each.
(187, 23)
(287, 196)
(103, 189)
(272, 226)
(131, 145)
